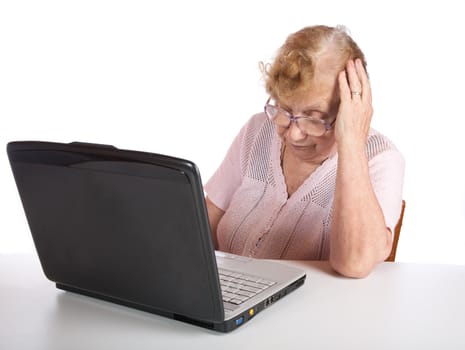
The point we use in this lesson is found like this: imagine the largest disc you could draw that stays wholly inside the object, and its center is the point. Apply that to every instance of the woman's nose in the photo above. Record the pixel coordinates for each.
(294, 133)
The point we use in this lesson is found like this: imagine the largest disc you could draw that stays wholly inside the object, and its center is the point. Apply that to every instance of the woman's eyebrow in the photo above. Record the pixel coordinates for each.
(319, 107)
(311, 108)
(315, 108)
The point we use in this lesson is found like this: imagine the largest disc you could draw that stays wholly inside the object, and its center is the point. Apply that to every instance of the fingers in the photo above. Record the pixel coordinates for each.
(355, 109)
(363, 78)
(344, 89)
(354, 83)
(354, 80)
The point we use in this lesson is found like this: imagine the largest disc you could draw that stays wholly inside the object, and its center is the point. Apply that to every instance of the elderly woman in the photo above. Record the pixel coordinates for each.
(308, 178)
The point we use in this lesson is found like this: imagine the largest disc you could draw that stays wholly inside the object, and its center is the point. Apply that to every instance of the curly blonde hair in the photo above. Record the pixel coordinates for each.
(305, 52)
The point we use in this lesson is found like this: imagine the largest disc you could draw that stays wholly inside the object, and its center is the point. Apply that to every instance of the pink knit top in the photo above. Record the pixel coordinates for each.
(261, 221)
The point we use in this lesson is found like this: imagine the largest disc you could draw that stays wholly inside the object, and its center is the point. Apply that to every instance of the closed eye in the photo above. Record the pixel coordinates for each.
(316, 115)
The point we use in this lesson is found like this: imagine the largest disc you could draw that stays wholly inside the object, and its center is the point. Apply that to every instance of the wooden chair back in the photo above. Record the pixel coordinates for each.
(392, 256)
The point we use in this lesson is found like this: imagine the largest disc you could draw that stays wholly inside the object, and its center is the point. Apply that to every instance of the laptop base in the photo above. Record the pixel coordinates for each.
(225, 327)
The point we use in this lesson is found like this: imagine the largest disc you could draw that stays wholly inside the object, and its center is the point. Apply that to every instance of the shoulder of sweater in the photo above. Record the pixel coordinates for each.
(255, 123)
(257, 120)
(378, 143)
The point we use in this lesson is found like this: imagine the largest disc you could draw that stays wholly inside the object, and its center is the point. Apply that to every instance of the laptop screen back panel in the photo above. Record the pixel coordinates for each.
(105, 237)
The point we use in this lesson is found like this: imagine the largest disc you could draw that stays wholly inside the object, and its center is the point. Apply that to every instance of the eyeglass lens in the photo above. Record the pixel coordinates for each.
(283, 119)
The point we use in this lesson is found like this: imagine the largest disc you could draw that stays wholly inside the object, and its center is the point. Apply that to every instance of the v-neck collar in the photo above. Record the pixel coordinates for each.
(277, 153)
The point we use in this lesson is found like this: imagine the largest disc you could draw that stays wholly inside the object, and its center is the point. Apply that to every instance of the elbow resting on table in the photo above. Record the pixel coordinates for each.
(356, 269)
(359, 260)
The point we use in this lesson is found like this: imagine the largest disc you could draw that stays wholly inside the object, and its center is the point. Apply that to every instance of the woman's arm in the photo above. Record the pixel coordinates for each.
(214, 216)
(360, 238)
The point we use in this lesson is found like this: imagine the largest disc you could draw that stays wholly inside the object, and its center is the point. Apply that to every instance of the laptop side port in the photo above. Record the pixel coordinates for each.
(268, 302)
(240, 321)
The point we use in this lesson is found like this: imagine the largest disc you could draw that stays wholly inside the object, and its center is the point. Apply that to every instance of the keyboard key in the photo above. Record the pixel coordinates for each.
(237, 288)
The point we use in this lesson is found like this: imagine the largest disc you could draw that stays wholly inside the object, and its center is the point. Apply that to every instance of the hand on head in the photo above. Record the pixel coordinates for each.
(355, 109)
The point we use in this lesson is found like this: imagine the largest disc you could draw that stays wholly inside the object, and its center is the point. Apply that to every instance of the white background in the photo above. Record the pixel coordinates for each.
(181, 78)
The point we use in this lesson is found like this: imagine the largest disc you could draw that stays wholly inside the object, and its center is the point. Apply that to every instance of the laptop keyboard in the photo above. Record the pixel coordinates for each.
(237, 288)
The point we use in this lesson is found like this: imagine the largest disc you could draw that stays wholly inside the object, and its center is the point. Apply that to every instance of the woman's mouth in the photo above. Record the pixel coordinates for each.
(303, 147)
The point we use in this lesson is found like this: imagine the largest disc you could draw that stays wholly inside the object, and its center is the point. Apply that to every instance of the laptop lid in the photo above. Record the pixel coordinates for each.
(132, 228)
(125, 226)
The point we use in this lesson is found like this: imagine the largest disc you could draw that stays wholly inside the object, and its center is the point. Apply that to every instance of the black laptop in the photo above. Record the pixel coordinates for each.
(132, 228)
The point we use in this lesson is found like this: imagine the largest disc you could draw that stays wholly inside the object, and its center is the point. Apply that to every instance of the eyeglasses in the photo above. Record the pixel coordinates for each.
(309, 125)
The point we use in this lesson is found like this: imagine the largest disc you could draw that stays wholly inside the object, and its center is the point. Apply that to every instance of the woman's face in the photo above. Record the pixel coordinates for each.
(322, 101)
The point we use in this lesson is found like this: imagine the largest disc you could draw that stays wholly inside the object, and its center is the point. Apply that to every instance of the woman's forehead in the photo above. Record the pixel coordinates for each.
(318, 99)
(322, 91)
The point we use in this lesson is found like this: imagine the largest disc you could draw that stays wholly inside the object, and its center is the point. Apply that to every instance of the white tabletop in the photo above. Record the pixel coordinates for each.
(399, 306)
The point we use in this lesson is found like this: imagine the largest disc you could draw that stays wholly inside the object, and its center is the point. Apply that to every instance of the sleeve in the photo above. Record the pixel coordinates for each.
(221, 187)
(387, 177)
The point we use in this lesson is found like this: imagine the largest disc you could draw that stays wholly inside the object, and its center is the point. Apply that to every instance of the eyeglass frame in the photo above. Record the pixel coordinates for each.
(294, 118)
